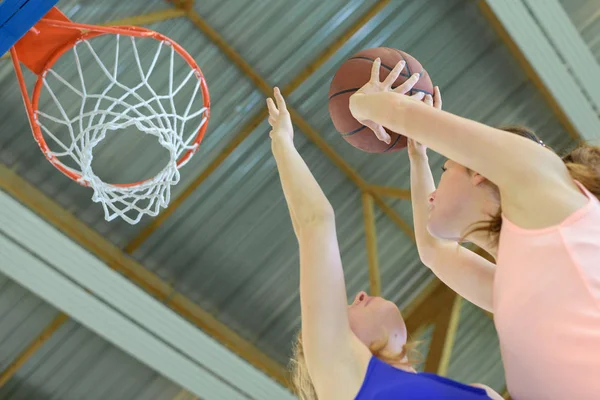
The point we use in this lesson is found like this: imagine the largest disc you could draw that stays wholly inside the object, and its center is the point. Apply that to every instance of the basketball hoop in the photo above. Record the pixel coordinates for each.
(105, 108)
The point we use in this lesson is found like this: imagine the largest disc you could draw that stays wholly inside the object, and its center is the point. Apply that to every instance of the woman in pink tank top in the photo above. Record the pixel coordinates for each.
(538, 217)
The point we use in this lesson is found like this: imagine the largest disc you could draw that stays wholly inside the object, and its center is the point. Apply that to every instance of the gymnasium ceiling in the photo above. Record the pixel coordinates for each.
(225, 246)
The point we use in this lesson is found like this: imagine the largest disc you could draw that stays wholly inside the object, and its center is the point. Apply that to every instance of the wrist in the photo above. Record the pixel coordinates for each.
(418, 158)
(282, 139)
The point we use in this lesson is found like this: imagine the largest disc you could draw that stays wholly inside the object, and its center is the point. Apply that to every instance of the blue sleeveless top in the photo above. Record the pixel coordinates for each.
(384, 382)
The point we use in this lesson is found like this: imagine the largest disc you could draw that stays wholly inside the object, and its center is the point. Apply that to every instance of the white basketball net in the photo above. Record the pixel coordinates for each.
(136, 105)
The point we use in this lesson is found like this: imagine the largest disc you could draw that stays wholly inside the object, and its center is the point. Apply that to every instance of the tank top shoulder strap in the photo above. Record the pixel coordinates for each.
(586, 192)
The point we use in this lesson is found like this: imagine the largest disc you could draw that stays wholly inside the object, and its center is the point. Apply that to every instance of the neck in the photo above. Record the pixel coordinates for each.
(482, 240)
(489, 205)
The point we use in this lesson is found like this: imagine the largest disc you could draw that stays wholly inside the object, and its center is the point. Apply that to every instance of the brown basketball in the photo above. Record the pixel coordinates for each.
(351, 76)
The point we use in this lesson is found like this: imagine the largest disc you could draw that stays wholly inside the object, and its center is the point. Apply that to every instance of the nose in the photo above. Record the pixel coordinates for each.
(432, 197)
(360, 297)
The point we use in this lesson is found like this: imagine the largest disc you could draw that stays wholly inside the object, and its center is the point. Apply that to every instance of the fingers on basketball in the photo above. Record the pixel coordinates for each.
(394, 74)
(437, 98)
(428, 100)
(379, 131)
(408, 84)
(375, 70)
(418, 96)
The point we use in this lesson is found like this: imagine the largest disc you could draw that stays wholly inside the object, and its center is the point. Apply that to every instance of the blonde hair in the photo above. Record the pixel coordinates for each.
(302, 383)
(583, 164)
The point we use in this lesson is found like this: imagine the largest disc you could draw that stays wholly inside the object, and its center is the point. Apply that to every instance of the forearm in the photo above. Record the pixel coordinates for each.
(499, 156)
(421, 186)
(323, 299)
(305, 198)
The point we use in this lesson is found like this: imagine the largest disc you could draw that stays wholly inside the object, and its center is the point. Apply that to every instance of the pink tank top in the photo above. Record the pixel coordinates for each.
(547, 307)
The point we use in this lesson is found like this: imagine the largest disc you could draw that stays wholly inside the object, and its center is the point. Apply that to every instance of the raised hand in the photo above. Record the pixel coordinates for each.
(375, 85)
(279, 117)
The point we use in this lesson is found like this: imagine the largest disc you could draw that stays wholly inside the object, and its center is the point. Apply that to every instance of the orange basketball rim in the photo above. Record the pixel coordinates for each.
(55, 35)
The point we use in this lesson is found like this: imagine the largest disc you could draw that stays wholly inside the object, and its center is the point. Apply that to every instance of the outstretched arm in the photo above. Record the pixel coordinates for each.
(503, 158)
(465, 272)
(536, 188)
(329, 343)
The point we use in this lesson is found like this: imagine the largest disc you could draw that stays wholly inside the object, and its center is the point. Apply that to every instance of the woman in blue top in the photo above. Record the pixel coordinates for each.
(345, 352)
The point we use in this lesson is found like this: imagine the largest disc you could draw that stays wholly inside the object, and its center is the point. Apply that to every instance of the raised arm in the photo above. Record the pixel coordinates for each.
(465, 272)
(501, 157)
(329, 344)
(530, 177)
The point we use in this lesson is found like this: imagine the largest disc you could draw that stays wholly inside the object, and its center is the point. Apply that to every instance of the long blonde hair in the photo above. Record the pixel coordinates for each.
(302, 383)
(583, 164)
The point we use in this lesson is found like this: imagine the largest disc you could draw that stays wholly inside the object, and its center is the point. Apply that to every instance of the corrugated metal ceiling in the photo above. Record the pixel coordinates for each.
(74, 364)
(230, 246)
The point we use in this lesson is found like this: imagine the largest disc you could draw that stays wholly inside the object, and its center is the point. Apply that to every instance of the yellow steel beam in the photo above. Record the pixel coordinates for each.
(37, 343)
(393, 215)
(96, 244)
(419, 311)
(156, 222)
(182, 4)
(489, 14)
(422, 310)
(267, 89)
(184, 395)
(333, 48)
(151, 283)
(427, 305)
(442, 341)
(371, 240)
(139, 20)
(233, 55)
(147, 19)
(414, 309)
(251, 125)
(387, 191)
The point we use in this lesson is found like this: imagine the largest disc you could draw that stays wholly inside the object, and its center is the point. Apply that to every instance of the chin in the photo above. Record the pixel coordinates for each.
(434, 229)
(442, 231)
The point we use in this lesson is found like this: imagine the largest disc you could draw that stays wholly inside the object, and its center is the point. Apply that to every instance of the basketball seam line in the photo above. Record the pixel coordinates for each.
(354, 131)
(363, 127)
(383, 65)
(409, 93)
(342, 92)
(407, 75)
(393, 144)
(405, 63)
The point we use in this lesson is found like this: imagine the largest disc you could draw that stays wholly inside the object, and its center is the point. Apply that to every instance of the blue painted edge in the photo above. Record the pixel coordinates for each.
(17, 17)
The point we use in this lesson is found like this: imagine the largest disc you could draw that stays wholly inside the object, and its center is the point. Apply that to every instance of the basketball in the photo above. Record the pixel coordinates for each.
(351, 76)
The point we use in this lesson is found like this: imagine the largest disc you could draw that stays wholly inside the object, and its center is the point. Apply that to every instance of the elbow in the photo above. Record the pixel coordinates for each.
(427, 253)
(317, 217)
(427, 256)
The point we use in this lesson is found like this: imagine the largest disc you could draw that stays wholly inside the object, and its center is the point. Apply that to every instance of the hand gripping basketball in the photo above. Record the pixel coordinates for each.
(375, 85)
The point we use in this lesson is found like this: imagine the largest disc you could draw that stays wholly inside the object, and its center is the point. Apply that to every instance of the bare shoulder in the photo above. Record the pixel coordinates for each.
(542, 197)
